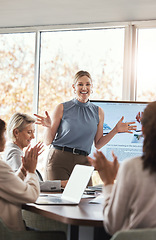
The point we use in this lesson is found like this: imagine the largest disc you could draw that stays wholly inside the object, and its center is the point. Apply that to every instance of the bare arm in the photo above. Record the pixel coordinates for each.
(51, 124)
(101, 140)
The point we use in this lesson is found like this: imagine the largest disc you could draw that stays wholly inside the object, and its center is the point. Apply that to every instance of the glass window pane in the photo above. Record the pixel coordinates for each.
(146, 74)
(16, 73)
(100, 52)
(63, 53)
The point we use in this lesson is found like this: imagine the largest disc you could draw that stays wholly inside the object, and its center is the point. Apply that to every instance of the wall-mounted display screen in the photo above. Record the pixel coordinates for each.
(124, 145)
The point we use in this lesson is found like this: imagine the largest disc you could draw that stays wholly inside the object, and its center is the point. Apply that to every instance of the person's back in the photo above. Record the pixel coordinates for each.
(19, 188)
(130, 202)
(14, 192)
(133, 198)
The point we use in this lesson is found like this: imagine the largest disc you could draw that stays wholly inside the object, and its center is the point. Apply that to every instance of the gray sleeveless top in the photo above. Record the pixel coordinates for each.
(78, 126)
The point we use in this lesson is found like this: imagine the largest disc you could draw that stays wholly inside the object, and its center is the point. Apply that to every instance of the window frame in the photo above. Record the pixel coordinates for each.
(130, 51)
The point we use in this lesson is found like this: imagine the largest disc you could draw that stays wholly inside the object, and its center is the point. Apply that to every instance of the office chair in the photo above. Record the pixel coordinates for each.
(135, 234)
(40, 178)
(7, 234)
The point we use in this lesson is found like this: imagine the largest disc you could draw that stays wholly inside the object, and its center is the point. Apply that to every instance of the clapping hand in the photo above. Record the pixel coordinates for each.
(106, 169)
(29, 161)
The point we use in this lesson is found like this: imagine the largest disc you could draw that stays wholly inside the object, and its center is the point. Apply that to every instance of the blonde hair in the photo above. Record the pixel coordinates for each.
(81, 74)
(19, 121)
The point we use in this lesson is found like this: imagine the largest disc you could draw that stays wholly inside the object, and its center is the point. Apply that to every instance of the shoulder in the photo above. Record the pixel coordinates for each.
(131, 166)
(58, 110)
(4, 165)
(134, 161)
(12, 148)
(4, 169)
(11, 145)
(68, 103)
(101, 112)
(59, 107)
(96, 108)
(92, 105)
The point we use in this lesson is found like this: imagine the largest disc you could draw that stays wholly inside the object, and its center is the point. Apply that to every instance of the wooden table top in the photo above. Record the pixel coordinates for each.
(84, 214)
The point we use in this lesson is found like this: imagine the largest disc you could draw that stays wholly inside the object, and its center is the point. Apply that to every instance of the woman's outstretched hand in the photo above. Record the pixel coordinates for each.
(125, 127)
(106, 169)
(44, 121)
(139, 116)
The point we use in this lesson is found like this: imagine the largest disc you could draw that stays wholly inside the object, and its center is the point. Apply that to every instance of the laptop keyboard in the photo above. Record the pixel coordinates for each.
(55, 200)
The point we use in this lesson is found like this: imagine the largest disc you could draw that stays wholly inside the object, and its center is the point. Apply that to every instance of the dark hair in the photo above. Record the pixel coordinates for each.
(149, 130)
(2, 127)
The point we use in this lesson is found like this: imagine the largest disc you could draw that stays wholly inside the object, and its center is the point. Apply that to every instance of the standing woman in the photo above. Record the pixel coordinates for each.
(73, 128)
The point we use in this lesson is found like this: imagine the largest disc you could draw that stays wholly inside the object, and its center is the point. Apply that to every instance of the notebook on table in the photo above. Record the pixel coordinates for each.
(74, 189)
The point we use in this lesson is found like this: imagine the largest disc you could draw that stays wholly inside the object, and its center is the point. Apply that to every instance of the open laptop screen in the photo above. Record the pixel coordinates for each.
(124, 145)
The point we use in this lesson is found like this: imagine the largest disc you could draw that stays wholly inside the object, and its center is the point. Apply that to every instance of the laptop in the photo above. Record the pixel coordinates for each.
(74, 189)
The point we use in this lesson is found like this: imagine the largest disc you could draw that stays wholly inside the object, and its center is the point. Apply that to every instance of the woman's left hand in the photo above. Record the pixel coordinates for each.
(125, 127)
(29, 161)
(106, 169)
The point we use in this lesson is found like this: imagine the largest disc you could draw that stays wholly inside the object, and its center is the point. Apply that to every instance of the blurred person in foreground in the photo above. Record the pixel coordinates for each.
(17, 188)
(129, 202)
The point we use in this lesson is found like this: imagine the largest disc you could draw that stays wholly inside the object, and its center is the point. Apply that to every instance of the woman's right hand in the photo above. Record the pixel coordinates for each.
(29, 161)
(44, 121)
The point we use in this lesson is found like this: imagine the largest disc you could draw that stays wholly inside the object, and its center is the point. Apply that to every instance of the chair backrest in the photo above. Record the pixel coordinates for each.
(136, 234)
(4, 231)
(6, 234)
(39, 175)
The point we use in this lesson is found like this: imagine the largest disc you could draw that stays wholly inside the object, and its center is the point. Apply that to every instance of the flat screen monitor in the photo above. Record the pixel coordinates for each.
(124, 145)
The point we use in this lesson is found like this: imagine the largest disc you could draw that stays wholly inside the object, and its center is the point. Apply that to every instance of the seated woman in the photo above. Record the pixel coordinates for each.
(130, 201)
(21, 129)
(17, 188)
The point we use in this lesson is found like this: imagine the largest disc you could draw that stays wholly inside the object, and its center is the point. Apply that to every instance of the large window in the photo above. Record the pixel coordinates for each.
(63, 53)
(16, 73)
(146, 73)
(53, 56)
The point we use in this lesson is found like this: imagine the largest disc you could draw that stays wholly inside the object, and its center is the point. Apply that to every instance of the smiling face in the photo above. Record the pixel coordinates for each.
(24, 137)
(83, 88)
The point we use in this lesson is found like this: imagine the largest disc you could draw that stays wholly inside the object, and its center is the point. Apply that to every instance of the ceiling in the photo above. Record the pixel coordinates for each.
(19, 13)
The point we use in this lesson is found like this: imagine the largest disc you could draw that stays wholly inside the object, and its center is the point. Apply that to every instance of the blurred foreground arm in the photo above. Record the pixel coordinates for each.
(106, 169)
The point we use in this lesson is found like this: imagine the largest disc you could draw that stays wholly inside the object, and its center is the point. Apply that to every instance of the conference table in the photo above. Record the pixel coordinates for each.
(85, 220)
